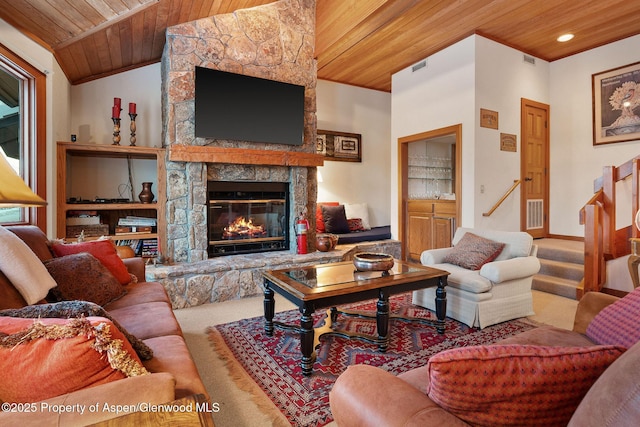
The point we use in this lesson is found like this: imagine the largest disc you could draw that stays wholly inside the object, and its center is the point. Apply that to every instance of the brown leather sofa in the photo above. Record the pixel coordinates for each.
(368, 396)
(144, 311)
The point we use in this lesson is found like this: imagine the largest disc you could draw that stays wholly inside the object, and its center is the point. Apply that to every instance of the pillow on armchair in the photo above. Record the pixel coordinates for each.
(618, 323)
(519, 385)
(473, 251)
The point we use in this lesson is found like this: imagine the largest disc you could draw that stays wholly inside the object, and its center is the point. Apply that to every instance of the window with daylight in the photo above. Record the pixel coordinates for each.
(23, 132)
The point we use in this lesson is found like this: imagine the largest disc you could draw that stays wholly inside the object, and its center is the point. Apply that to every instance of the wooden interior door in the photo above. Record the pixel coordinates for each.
(535, 168)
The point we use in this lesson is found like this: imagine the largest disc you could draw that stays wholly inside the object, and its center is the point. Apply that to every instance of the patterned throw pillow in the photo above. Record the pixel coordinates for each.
(44, 358)
(523, 385)
(617, 323)
(473, 251)
(69, 309)
(355, 224)
(104, 250)
(82, 277)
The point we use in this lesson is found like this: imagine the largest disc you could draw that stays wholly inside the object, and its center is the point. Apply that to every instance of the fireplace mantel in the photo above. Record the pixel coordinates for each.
(209, 154)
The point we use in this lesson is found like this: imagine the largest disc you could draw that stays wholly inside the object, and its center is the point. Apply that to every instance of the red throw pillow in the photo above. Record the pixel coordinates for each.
(617, 323)
(355, 224)
(320, 228)
(523, 385)
(44, 358)
(104, 250)
(473, 251)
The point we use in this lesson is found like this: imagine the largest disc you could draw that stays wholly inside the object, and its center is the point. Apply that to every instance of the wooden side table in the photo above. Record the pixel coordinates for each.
(634, 261)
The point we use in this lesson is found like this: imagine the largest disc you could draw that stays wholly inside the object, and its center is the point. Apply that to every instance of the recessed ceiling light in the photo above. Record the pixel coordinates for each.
(565, 37)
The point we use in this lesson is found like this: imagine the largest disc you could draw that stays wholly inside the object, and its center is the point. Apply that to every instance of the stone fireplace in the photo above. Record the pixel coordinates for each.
(247, 217)
(274, 41)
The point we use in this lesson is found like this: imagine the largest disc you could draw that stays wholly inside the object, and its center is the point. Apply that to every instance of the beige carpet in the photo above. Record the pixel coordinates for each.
(237, 408)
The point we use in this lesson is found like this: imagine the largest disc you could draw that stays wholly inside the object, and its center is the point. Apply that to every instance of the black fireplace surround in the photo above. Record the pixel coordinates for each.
(247, 217)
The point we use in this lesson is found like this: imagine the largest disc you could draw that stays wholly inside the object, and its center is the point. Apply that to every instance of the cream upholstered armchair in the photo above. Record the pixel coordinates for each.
(491, 276)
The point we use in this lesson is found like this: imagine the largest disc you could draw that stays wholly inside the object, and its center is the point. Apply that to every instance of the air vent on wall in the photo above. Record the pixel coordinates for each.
(419, 65)
(529, 59)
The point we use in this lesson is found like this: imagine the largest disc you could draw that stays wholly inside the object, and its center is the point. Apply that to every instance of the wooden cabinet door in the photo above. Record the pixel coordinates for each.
(442, 232)
(420, 235)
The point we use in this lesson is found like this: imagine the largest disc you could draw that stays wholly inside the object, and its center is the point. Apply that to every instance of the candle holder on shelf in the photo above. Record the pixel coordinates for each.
(116, 130)
(132, 127)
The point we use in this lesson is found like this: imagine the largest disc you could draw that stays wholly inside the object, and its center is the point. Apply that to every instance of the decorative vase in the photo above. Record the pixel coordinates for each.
(146, 196)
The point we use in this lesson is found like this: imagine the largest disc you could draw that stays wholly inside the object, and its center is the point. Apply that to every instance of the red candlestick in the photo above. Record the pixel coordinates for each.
(115, 113)
(132, 108)
(116, 102)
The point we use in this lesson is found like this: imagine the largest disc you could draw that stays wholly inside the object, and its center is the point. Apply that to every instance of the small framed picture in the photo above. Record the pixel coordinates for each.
(339, 146)
(488, 119)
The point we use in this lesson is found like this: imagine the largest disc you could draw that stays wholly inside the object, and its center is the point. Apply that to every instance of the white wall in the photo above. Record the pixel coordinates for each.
(368, 112)
(439, 95)
(58, 102)
(502, 80)
(575, 162)
(91, 105)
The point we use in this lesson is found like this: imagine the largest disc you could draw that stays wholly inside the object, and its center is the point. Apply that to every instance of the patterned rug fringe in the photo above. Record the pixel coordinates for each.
(244, 382)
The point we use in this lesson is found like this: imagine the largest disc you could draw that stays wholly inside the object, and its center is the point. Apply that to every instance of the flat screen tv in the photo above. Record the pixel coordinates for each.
(244, 108)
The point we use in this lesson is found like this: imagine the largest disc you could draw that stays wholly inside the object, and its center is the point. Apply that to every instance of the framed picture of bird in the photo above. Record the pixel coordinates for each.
(616, 98)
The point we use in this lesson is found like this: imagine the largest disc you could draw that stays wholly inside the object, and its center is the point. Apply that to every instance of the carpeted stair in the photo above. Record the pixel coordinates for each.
(561, 266)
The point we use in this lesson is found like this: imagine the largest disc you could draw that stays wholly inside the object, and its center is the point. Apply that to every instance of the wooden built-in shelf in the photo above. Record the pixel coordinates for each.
(110, 212)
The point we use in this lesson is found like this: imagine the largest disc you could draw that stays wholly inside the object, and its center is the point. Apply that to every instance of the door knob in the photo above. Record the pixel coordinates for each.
(528, 179)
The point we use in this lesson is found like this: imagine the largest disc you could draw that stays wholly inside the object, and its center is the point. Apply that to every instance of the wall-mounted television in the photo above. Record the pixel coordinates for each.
(244, 108)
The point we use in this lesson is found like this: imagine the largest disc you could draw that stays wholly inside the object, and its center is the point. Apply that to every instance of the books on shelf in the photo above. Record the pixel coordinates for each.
(142, 247)
(130, 221)
(134, 229)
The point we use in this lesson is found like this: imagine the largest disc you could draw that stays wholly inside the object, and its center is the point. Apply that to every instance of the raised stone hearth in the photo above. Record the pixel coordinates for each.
(240, 276)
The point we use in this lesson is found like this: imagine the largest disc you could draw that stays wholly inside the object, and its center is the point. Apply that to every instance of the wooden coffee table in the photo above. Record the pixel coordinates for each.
(331, 285)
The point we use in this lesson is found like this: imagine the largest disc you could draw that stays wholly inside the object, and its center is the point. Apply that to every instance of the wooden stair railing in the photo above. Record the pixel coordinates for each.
(602, 241)
(516, 182)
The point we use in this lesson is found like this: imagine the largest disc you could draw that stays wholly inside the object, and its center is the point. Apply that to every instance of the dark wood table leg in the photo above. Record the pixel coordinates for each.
(382, 320)
(441, 305)
(306, 339)
(269, 310)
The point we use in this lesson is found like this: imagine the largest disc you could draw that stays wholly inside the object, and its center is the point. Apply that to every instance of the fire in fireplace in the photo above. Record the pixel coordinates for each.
(247, 217)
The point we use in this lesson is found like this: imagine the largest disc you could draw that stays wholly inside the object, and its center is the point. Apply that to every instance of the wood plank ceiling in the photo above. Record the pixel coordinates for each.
(358, 42)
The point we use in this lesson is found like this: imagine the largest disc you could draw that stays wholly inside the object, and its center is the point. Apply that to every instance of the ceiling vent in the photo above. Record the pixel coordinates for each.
(529, 59)
(419, 65)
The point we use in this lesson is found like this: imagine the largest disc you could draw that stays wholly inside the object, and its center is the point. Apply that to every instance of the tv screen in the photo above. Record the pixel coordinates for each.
(244, 108)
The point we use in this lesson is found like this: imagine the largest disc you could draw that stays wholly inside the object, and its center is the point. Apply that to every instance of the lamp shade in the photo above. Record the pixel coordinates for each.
(13, 191)
(637, 219)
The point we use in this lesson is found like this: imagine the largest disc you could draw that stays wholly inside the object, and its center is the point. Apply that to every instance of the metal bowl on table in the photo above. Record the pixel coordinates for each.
(369, 261)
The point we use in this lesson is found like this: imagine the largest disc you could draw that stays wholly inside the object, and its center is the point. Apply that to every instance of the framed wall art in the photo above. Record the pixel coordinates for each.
(488, 119)
(340, 146)
(508, 142)
(616, 96)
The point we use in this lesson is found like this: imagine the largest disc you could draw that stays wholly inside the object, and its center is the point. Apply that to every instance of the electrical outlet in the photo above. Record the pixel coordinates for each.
(482, 189)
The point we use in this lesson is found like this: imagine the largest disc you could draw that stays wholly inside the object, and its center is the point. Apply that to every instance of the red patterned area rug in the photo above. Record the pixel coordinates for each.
(273, 363)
